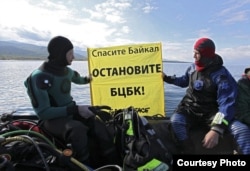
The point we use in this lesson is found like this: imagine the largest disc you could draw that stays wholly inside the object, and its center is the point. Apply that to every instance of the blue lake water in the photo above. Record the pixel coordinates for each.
(13, 96)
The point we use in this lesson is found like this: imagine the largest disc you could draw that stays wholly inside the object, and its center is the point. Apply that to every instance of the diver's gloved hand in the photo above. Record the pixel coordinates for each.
(88, 79)
(168, 79)
(85, 112)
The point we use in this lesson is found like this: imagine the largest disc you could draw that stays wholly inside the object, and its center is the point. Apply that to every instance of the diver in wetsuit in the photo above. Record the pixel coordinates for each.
(49, 89)
(209, 101)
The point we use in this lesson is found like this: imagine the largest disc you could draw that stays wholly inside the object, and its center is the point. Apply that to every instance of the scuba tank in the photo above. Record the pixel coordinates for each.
(140, 138)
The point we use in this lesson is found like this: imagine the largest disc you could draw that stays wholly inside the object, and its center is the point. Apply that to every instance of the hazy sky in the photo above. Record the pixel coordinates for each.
(98, 23)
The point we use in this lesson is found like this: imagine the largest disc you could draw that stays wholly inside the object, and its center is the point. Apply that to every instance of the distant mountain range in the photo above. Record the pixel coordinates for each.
(12, 50)
(21, 51)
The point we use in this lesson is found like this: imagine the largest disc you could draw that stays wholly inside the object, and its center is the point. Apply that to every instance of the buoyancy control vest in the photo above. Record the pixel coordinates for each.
(201, 95)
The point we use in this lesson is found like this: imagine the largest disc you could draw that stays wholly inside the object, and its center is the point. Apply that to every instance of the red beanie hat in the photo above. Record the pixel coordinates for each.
(206, 47)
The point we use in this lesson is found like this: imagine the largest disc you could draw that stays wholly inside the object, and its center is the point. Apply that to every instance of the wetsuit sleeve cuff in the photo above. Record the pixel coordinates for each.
(218, 130)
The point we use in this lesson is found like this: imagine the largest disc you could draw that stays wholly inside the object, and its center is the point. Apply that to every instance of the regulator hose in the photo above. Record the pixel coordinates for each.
(56, 152)
(19, 132)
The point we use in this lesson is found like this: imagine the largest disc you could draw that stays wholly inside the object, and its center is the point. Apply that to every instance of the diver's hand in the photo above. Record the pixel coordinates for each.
(84, 111)
(163, 75)
(168, 79)
(90, 78)
(211, 139)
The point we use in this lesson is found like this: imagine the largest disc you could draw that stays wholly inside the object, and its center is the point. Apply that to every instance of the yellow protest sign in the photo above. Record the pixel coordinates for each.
(129, 75)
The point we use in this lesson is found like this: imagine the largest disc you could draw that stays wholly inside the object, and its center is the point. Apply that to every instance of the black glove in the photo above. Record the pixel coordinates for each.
(85, 112)
(169, 79)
